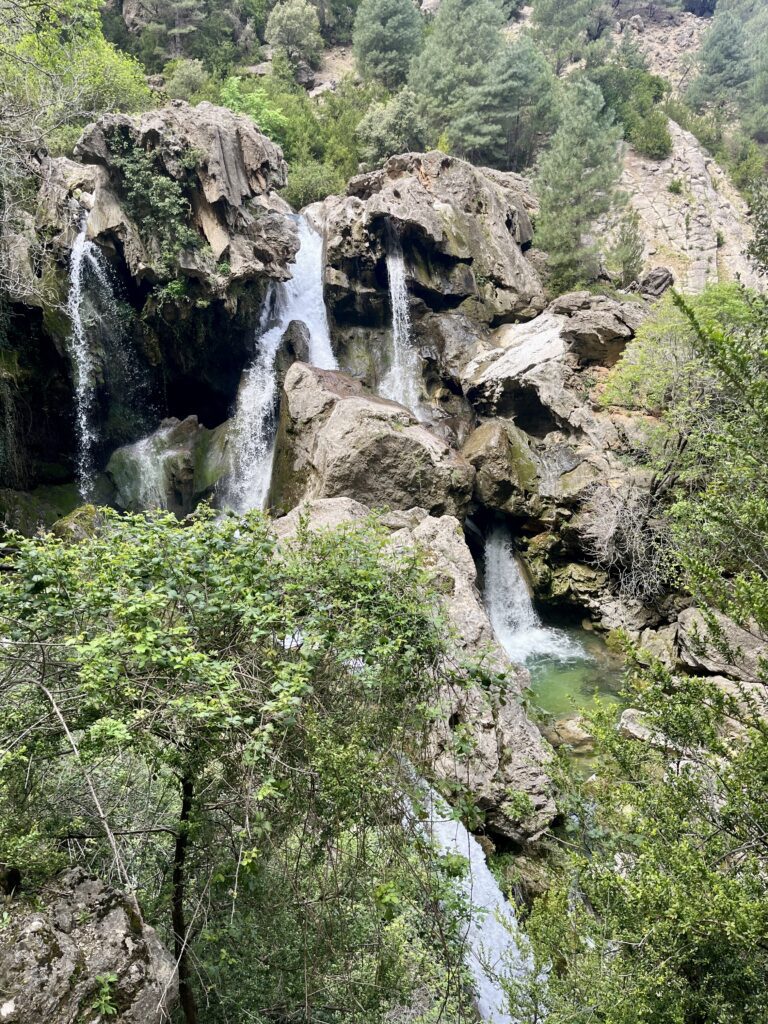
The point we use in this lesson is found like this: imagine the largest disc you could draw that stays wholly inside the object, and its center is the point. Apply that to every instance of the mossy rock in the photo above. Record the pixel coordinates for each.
(79, 525)
(28, 512)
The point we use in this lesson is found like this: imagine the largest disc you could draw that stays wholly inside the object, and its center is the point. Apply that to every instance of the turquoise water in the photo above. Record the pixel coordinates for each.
(563, 687)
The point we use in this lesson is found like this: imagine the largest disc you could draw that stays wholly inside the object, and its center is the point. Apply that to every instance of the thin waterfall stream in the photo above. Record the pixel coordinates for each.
(493, 951)
(87, 271)
(401, 384)
(300, 299)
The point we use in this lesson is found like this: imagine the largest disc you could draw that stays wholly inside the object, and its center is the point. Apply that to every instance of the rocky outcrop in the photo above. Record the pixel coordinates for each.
(59, 954)
(692, 219)
(465, 230)
(336, 439)
(728, 650)
(229, 172)
(175, 468)
(508, 754)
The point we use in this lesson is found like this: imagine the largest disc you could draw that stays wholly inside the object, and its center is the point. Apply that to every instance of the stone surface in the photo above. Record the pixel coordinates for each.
(570, 732)
(174, 468)
(745, 657)
(230, 173)
(509, 752)
(464, 230)
(700, 229)
(336, 439)
(52, 955)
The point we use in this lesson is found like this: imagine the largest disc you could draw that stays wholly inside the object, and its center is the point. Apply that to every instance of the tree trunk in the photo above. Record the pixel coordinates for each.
(178, 920)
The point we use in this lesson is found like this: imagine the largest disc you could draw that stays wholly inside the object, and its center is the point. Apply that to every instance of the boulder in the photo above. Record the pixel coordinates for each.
(506, 467)
(570, 732)
(598, 327)
(509, 754)
(228, 170)
(634, 726)
(55, 953)
(464, 231)
(174, 468)
(336, 439)
(744, 653)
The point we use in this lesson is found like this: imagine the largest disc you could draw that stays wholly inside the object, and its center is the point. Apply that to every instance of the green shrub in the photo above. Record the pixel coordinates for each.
(310, 182)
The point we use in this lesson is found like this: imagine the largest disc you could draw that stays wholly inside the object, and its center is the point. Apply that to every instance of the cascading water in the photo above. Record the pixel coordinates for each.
(517, 626)
(401, 383)
(85, 260)
(301, 299)
(493, 951)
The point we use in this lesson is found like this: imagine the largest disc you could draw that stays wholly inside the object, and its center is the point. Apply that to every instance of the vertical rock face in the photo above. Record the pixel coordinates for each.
(52, 957)
(692, 219)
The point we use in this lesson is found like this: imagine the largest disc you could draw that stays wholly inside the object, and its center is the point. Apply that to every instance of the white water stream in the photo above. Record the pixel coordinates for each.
(253, 435)
(490, 935)
(515, 622)
(401, 383)
(86, 271)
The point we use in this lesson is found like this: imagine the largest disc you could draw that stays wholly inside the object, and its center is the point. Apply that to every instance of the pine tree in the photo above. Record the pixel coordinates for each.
(465, 40)
(569, 28)
(502, 120)
(387, 36)
(724, 63)
(577, 183)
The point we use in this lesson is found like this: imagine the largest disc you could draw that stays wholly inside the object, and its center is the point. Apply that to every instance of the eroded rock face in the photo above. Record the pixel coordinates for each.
(692, 219)
(336, 439)
(51, 958)
(229, 171)
(465, 231)
(509, 753)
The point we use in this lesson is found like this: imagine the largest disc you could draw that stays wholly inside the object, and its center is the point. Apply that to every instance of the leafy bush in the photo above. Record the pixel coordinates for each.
(310, 182)
(187, 80)
(392, 127)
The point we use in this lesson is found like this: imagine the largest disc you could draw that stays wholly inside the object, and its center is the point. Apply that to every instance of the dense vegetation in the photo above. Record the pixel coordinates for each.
(226, 726)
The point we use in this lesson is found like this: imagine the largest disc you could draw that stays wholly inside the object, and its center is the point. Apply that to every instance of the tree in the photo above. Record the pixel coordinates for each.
(577, 183)
(222, 724)
(503, 120)
(293, 26)
(569, 31)
(464, 41)
(387, 36)
(724, 64)
(390, 128)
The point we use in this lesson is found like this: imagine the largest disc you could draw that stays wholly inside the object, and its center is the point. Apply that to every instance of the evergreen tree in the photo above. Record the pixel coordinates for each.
(294, 27)
(502, 120)
(387, 36)
(390, 128)
(569, 30)
(577, 184)
(724, 62)
(465, 40)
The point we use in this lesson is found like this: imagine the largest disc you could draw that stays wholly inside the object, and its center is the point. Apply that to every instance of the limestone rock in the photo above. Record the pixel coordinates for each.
(507, 471)
(174, 468)
(229, 172)
(52, 955)
(464, 230)
(570, 732)
(634, 726)
(598, 327)
(336, 439)
(692, 218)
(749, 648)
(510, 753)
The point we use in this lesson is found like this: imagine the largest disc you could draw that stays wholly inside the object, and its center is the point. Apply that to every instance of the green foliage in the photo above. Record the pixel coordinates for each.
(572, 31)
(634, 95)
(233, 715)
(187, 80)
(626, 255)
(104, 1002)
(387, 36)
(294, 27)
(390, 128)
(254, 101)
(758, 247)
(310, 182)
(576, 182)
(481, 96)
(153, 198)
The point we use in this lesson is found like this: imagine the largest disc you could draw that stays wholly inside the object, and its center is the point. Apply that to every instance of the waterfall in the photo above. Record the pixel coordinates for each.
(401, 383)
(301, 299)
(515, 622)
(84, 256)
(490, 935)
